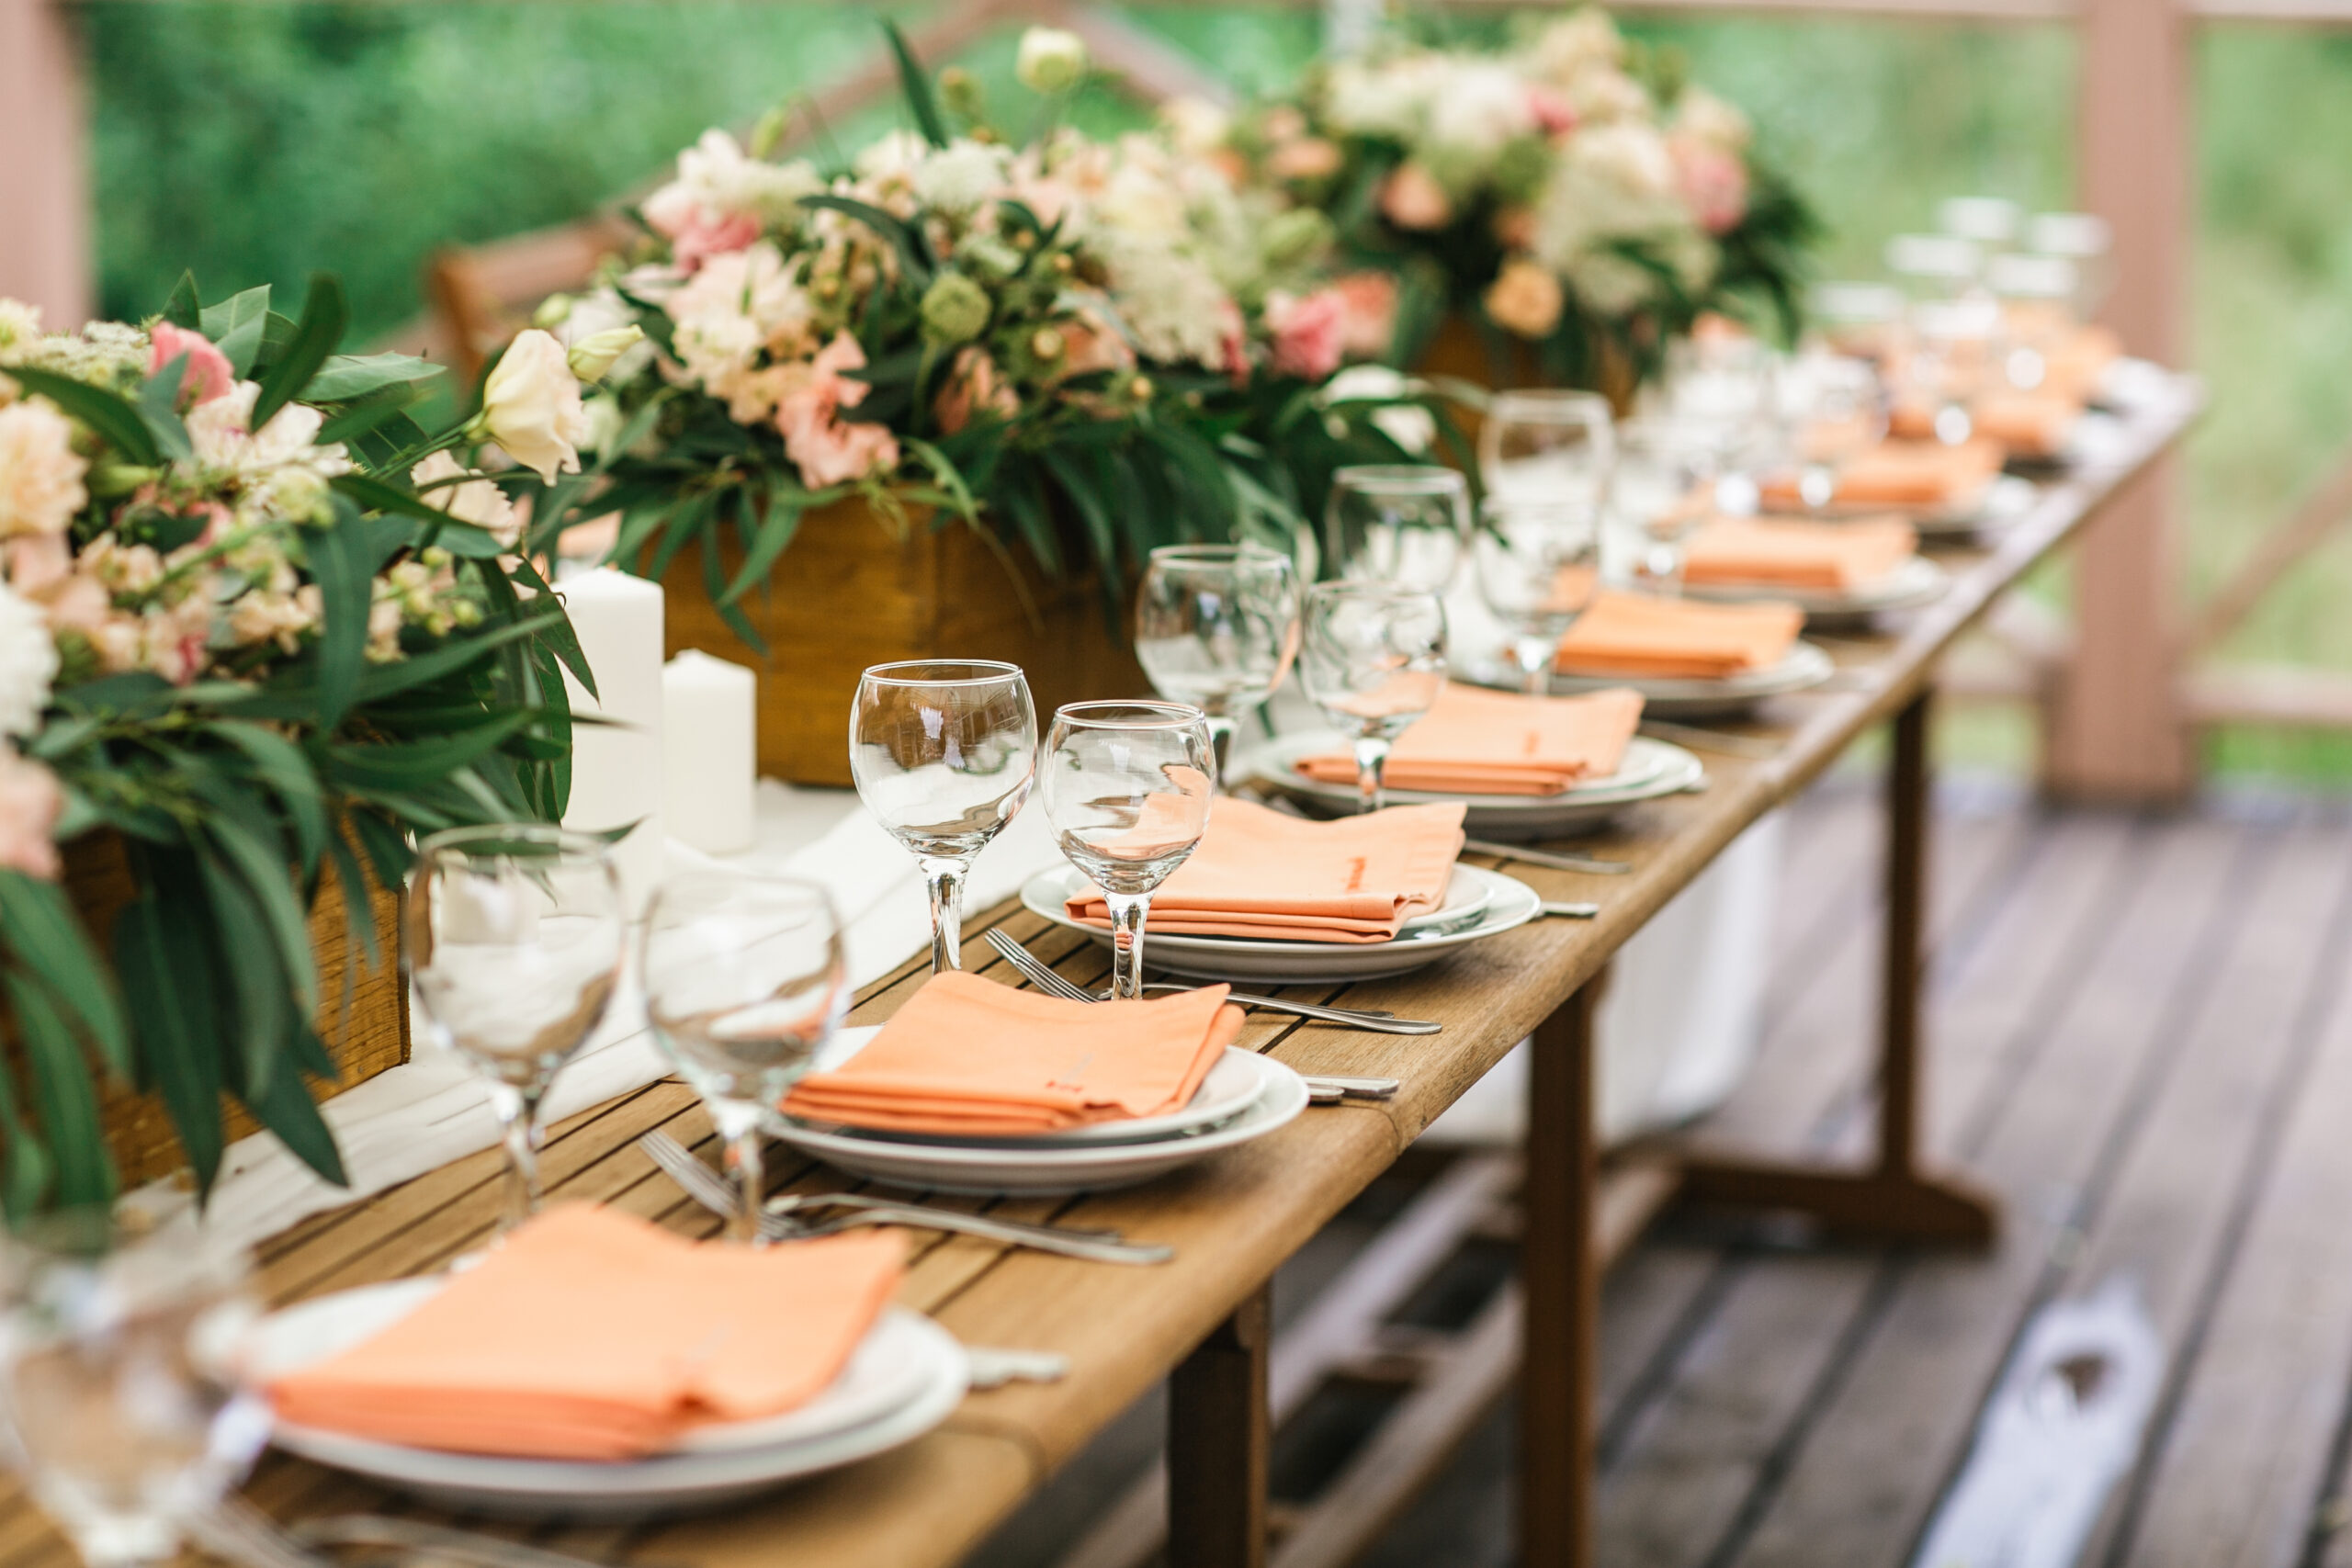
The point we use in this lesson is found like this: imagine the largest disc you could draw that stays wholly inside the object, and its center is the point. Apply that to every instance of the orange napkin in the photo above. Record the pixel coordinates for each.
(969, 1055)
(1262, 873)
(2024, 424)
(1480, 742)
(1836, 557)
(1922, 474)
(1636, 635)
(590, 1334)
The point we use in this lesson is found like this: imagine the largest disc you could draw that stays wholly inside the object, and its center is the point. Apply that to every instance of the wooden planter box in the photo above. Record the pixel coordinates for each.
(365, 1040)
(848, 593)
(1458, 349)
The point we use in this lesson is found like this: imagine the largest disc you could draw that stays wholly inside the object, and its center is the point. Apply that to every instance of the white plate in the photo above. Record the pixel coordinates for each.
(1991, 507)
(1917, 581)
(904, 1379)
(1651, 769)
(1806, 666)
(1510, 903)
(994, 1167)
(1232, 1086)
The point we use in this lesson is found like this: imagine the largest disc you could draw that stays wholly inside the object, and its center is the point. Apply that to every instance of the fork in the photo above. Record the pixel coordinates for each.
(1046, 978)
(1558, 860)
(433, 1540)
(781, 1220)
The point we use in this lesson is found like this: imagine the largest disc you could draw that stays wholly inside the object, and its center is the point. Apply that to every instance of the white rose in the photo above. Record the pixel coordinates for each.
(477, 501)
(1701, 115)
(1197, 126)
(28, 664)
(1051, 61)
(1567, 49)
(41, 474)
(960, 176)
(19, 323)
(531, 406)
(1477, 108)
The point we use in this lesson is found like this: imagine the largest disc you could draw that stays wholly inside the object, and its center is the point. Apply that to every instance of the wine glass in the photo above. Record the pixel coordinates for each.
(2086, 239)
(944, 752)
(1991, 221)
(1719, 388)
(1858, 320)
(1547, 447)
(513, 941)
(1836, 408)
(1216, 626)
(1127, 787)
(1663, 490)
(1398, 523)
(126, 1413)
(1934, 267)
(745, 981)
(2036, 295)
(1536, 565)
(1372, 657)
(1955, 343)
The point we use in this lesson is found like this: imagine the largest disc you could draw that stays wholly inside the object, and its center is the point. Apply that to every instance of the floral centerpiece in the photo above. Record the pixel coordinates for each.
(1569, 193)
(260, 624)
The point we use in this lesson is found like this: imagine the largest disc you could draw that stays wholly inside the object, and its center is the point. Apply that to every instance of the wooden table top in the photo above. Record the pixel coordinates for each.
(1232, 1219)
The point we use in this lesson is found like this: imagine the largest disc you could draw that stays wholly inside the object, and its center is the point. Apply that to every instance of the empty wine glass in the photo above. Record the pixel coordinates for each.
(1551, 448)
(944, 752)
(1127, 787)
(1537, 566)
(1718, 388)
(1216, 626)
(2086, 239)
(2037, 296)
(745, 981)
(1955, 345)
(513, 938)
(1858, 320)
(1934, 267)
(1835, 409)
(1372, 657)
(1398, 523)
(1992, 222)
(1664, 487)
(126, 1411)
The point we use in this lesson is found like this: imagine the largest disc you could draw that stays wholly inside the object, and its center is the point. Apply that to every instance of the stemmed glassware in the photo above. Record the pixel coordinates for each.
(1663, 490)
(1836, 408)
(745, 981)
(1216, 626)
(1955, 345)
(1372, 657)
(944, 752)
(1127, 786)
(514, 936)
(1545, 447)
(126, 1412)
(1398, 523)
(1537, 566)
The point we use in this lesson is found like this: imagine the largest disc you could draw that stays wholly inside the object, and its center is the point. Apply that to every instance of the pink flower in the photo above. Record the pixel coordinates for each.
(1087, 344)
(39, 561)
(1713, 183)
(973, 386)
(30, 804)
(1370, 326)
(1308, 158)
(1310, 334)
(696, 233)
(1553, 114)
(207, 375)
(831, 450)
(1234, 333)
(1411, 198)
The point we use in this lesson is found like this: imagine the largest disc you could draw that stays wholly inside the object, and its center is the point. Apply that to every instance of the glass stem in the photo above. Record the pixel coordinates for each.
(739, 1124)
(1127, 912)
(1534, 653)
(1372, 758)
(944, 877)
(518, 1124)
(1221, 727)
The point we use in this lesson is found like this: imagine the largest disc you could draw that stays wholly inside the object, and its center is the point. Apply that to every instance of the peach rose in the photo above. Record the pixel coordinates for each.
(1525, 298)
(41, 474)
(31, 803)
(207, 375)
(1309, 333)
(1308, 158)
(973, 386)
(829, 449)
(1713, 183)
(1370, 327)
(695, 232)
(1411, 198)
(1515, 228)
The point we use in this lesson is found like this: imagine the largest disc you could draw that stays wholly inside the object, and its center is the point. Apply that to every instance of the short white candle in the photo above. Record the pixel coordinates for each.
(617, 766)
(709, 751)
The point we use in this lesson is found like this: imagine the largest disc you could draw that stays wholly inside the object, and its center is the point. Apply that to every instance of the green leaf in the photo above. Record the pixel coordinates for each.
(255, 977)
(388, 853)
(285, 1107)
(38, 923)
(183, 309)
(420, 762)
(345, 377)
(167, 976)
(783, 522)
(915, 82)
(236, 327)
(67, 1101)
(321, 328)
(358, 918)
(912, 260)
(286, 767)
(159, 399)
(381, 681)
(251, 848)
(115, 420)
(377, 411)
(344, 565)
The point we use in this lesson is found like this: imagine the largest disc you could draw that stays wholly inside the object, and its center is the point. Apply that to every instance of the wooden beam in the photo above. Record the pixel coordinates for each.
(2272, 697)
(2314, 519)
(44, 165)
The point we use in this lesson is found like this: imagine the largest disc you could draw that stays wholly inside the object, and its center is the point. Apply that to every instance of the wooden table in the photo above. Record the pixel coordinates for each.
(1201, 1319)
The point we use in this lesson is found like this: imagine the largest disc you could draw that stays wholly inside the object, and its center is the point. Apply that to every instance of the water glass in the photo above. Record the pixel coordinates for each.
(1216, 626)
(1991, 221)
(1127, 787)
(1537, 566)
(1373, 658)
(1550, 447)
(1836, 408)
(944, 752)
(745, 981)
(1399, 523)
(513, 937)
(1935, 266)
(2036, 295)
(1858, 320)
(2085, 238)
(1955, 345)
(126, 1411)
(1663, 490)
(1719, 388)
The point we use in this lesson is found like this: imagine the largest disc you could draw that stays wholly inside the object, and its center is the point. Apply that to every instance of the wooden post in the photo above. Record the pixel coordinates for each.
(1905, 958)
(1561, 1275)
(2118, 731)
(1218, 1440)
(44, 178)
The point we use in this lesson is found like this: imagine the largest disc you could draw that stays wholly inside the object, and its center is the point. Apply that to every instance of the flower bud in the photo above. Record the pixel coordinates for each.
(954, 310)
(960, 91)
(1046, 346)
(1051, 60)
(592, 357)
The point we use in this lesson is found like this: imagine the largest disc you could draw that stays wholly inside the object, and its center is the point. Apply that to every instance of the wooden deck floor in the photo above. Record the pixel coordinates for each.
(2143, 1038)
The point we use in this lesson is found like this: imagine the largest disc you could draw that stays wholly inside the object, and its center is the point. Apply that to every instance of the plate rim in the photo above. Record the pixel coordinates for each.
(1266, 767)
(1927, 583)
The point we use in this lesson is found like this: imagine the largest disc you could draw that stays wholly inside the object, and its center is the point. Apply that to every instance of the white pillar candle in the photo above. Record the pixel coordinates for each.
(709, 751)
(617, 766)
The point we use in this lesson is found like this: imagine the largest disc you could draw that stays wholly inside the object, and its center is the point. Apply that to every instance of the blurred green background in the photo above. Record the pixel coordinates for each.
(261, 144)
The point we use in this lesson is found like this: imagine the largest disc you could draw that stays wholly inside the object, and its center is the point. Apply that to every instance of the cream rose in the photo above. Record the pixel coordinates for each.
(1051, 61)
(1525, 300)
(41, 474)
(28, 664)
(531, 406)
(477, 501)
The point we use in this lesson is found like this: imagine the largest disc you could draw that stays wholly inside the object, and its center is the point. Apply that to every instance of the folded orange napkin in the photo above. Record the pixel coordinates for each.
(1796, 553)
(2023, 425)
(1481, 742)
(969, 1055)
(1923, 474)
(1637, 634)
(1263, 874)
(590, 1335)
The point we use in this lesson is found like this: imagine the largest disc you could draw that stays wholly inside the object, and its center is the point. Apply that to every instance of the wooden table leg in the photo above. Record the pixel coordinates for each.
(1560, 1272)
(1896, 1200)
(1219, 1439)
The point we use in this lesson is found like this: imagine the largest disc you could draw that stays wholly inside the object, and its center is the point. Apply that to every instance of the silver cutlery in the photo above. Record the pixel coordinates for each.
(1754, 747)
(993, 1367)
(1568, 911)
(1558, 860)
(238, 1533)
(1047, 978)
(782, 1220)
(438, 1540)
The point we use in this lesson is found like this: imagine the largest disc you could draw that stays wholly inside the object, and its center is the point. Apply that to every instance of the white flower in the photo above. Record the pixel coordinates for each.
(282, 463)
(531, 406)
(1566, 49)
(19, 323)
(960, 176)
(1385, 100)
(717, 178)
(41, 474)
(895, 153)
(28, 664)
(1414, 429)
(1051, 61)
(1605, 95)
(1703, 117)
(1196, 126)
(1615, 181)
(738, 306)
(477, 501)
(1173, 302)
(1608, 285)
(1478, 107)
(592, 357)
(1633, 158)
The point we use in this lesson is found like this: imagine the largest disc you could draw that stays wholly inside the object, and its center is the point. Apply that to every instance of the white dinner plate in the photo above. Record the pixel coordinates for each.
(1917, 581)
(994, 1167)
(1509, 903)
(905, 1378)
(1989, 509)
(1805, 666)
(1650, 769)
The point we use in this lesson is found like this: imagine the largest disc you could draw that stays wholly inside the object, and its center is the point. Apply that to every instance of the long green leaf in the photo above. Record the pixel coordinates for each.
(345, 567)
(287, 1109)
(345, 377)
(358, 917)
(38, 923)
(783, 522)
(915, 82)
(422, 761)
(903, 237)
(116, 422)
(68, 1102)
(381, 681)
(183, 309)
(158, 410)
(256, 979)
(321, 328)
(286, 767)
(237, 325)
(167, 975)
